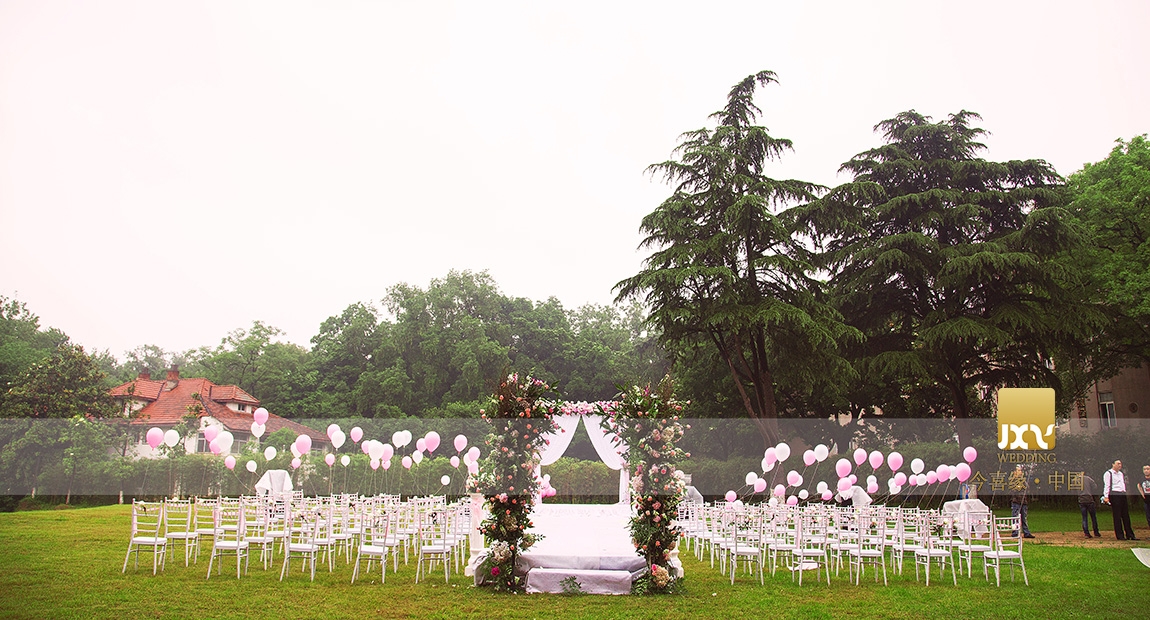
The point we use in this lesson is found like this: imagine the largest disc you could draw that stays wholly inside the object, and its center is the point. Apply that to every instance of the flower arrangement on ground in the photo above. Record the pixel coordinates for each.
(521, 419)
(647, 421)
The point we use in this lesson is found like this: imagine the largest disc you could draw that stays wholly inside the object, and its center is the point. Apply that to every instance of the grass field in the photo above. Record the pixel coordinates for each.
(66, 564)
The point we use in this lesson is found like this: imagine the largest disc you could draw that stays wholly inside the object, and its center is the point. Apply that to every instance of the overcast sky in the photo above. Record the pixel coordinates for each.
(171, 171)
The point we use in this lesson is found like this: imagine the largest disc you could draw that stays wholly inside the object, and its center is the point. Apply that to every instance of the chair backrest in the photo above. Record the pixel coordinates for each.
(255, 513)
(974, 527)
(230, 522)
(1007, 537)
(147, 519)
(374, 523)
(178, 516)
(204, 514)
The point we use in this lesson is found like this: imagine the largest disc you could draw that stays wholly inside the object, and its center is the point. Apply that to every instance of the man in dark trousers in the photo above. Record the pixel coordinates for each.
(1114, 493)
(1086, 505)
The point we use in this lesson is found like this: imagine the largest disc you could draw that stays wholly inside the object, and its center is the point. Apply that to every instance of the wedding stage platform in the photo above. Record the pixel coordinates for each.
(589, 542)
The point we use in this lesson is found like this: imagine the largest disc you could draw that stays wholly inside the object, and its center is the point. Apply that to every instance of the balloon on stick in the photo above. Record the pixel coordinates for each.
(303, 444)
(860, 456)
(356, 434)
(731, 496)
(230, 462)
(969, 454)
(155, 437)
(782, 451)
(843, 468)
(210, 433)
(894, 461)
(445, 480)
(258, 430)
(417, 456)
(455, 462)
(750, 478)
(406, 462)
(962, 472)
(338, 439)
(760, 485)
(876, 460)
(295, 463)
(269, 453)
(329, 459)
(460, 443)
(171, 438)
(251, 465)
(345, 460)
(431, 441)
(420, 444)
(260, 416)
(917, 465)
(821, 452)
(809, 458)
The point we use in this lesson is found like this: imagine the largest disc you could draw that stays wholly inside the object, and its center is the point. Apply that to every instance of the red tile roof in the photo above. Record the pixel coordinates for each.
(169, 407)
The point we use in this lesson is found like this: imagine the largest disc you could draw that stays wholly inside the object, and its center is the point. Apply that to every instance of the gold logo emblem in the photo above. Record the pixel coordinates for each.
(1026, 419)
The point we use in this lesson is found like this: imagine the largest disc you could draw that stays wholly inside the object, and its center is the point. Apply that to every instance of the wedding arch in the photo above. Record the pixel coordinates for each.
(607, 446)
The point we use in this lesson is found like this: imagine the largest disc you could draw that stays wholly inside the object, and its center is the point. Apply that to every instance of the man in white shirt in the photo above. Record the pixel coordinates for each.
(1114, 493)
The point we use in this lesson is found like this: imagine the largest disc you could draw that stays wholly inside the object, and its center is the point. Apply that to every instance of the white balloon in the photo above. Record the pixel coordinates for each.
(417, 457)
(345, 460)
(270, 453)
(397, 439)
(375, 450)
(917, 465)
(445, 480)
(226, 441)
(294, 451)
(782, 451)
(171, 438)
(751, 477)
(258, 430)
(337, 439)
(822, 486)
(821, 452)
(804, 494)
(251, 466)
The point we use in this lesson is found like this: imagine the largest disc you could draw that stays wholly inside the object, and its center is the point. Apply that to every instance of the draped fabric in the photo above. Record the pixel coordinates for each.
(603, 443)
(558, 442)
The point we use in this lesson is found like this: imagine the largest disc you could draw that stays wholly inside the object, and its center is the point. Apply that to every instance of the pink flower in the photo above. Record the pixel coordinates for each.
(494, 570)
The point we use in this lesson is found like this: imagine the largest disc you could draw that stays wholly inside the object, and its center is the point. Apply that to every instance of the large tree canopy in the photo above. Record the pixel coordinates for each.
(946, 262)
(729, 270)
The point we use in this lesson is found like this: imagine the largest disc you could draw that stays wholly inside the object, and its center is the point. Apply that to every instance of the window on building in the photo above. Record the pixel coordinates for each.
(242, 407)
(1106, 410)
(202, 444)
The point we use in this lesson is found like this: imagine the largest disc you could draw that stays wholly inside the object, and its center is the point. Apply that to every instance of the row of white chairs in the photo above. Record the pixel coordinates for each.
(308, 529)
(825, 537)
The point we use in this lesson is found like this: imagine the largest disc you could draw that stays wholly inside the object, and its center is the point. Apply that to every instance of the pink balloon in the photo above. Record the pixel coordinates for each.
(356, 434)
(962, 472)
(943, 473)
(827, 495)
(731, 496)
(770, 456)
(913, 480)
(295, 463)
(860, 456)
(230, 462)
(969, 454)
(374, 464)
(853, 478)
(843, 468)
(474, 454)
(455, 462)
(792, 501)
(366, 447)
(210, 433)
(900, 479)
(329, 459)
(460, 443)
(931, 478)
(261, 415)
(473, 468)
(780, 489)
(794, 478)
(387, 465)
(406, 462)
(872, 487)
(155, 437)
(421, 444)
(894, 461)
(331, 429)
(760, 485)
(876, 460)
(303, 444)
(214, 446)
(388, 452)
(431, 440)
(844, 484)
(809, 458)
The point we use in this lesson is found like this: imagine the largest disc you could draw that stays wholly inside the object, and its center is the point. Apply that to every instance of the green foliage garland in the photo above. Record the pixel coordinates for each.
(647, 421)
(521, 419)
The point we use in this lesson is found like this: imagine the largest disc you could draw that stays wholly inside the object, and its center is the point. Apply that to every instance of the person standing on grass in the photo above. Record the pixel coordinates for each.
(1144, 491)
(1114, 493)
(1018, 500)
(1086, 505)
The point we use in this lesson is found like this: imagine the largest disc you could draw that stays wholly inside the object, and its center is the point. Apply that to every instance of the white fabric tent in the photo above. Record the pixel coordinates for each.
(274, 481)
(607, 446)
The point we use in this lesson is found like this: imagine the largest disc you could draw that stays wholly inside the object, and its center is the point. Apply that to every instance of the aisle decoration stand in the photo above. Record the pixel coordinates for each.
(521, 419)
(647, 424)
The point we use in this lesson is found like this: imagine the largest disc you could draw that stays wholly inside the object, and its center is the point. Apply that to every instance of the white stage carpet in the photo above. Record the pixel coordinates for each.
(582, 537)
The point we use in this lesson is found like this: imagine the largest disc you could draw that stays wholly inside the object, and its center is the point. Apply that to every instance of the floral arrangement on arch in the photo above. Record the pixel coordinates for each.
(647, 421)
(520, 416)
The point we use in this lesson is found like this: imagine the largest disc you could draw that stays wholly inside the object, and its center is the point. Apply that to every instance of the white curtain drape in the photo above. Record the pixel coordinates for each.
(603, 443)
(608, 450)
(559, 441)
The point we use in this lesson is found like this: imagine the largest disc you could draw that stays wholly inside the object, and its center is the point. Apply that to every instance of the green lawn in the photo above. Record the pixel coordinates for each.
(62, 564)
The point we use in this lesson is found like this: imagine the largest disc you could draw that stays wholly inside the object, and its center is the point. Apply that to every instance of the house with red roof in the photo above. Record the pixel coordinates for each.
(171, 403)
